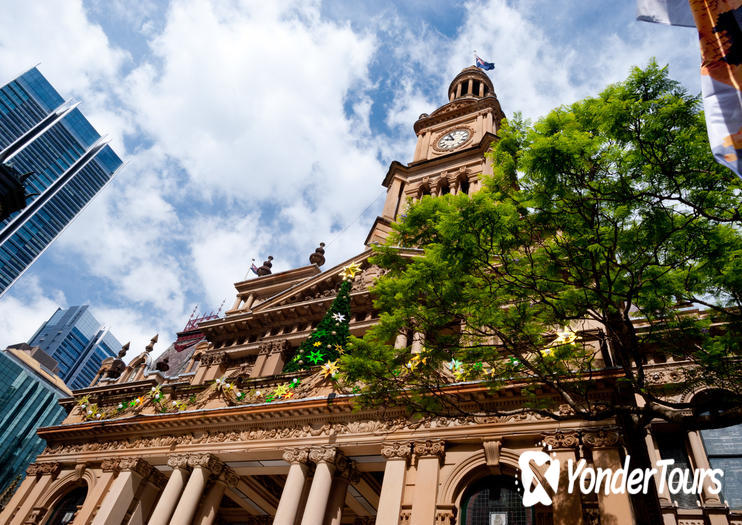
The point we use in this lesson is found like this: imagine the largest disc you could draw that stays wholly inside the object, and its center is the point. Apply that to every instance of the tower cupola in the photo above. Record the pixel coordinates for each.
(472, 82)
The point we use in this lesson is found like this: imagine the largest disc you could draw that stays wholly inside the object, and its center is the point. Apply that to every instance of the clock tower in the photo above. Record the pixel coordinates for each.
(449, 156)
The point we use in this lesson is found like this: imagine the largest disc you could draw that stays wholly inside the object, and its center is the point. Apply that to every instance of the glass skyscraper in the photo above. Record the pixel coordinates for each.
(29, 396)
(66, 162)
(78, 342)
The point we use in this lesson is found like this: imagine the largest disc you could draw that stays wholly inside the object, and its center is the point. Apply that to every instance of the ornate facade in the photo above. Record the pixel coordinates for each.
(214, 432)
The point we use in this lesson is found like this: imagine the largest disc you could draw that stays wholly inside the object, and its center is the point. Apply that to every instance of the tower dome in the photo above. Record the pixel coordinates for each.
(472, 82)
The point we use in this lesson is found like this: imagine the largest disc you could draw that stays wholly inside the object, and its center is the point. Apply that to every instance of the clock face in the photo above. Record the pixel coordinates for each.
(453, 139)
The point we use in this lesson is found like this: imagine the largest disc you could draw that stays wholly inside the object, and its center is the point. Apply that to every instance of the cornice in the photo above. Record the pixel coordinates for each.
(465, 106)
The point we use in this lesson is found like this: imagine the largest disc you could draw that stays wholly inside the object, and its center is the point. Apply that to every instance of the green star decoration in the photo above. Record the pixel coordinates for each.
(316, 356)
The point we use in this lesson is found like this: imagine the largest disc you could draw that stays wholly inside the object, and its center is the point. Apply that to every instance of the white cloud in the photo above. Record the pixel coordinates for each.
(24, 309)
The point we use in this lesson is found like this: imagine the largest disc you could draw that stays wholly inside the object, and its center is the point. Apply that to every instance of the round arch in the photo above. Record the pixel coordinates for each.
(63, 486)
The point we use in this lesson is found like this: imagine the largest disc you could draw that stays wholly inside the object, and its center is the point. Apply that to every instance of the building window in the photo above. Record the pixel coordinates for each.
(64, 511)
(494, 500)
(724, 450)
(672, 445)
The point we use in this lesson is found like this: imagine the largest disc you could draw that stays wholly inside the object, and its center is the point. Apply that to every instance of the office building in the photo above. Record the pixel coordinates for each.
(50, 156)
(29, 395)
(78, 342)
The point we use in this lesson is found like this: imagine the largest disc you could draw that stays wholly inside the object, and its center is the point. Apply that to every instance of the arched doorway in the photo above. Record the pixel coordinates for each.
(63, 512)
(494, 500)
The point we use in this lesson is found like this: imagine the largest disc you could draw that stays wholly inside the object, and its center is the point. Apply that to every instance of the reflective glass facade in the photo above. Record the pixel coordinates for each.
(78, 342)
(42, 134)
(27, 401)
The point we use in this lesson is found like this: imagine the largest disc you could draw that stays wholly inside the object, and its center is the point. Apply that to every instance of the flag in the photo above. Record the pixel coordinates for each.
(484, 65)
(672, 12)
(254, 269)
(720, 36)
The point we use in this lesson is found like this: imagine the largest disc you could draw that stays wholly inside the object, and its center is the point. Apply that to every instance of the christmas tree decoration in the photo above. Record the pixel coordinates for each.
(328, 340)
(330, 369)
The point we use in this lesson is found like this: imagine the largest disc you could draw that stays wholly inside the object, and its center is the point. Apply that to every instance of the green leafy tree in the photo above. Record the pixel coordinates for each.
(327, 343)
(608, 216)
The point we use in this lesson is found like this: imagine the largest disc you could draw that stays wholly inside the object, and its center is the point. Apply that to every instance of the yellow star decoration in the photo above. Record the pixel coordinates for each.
(416, 361)
(565, 337)
(317, 343)
(340, 349)
(281, 390)
(546, 351)
(350, 271)
(330, 368)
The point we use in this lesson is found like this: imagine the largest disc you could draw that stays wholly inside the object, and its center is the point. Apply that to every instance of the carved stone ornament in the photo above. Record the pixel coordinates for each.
(135, 464)
(323, 454)
(206, 461)
(230, 477)
(602, 438)
(110, 465)
(562, 439)
(215, 358)
(178, 461)
(429, 448)
(157, 478)
(492, 452)
(346, 469)
(396, 450)
(33, 469)
(296, 455)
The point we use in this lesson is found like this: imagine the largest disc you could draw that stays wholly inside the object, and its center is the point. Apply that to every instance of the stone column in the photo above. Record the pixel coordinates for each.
(614, 508)
(108, 471)
(390, 500)
(288, 505)
(172, 491)
(418, 339)
(148, 492)
(41, 475)
(210, 506)
(567, 507)
(666, 506)
(428, 455)
(324, 458)
(122, 491)
(345, 473)
(203, 465)
(714, 507)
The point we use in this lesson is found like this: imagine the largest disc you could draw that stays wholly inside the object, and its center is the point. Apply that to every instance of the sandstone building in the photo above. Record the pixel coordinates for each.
(214, 432)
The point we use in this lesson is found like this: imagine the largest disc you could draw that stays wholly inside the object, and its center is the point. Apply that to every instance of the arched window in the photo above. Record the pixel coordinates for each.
(494, 500)
(65, 509)
(464, 186)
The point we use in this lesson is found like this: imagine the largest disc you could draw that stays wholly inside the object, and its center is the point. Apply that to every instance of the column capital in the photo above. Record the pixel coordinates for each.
(398, 450)
(296, 455)
(178, 461)
(229, 477)
(429, 449)
(346, 469)
(157, 478)
(206, 461)
(51, 468)
(110, 465)
(135, 464)
(601, 438)
(562, 439)
(323, 454)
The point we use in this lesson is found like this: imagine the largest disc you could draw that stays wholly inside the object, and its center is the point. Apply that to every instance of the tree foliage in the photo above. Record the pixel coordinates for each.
(608, 216)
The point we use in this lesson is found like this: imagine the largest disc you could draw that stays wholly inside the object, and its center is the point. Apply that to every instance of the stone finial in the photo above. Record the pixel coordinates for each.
(266, 268)
(124, 349)
(318, 257)
(151, 345)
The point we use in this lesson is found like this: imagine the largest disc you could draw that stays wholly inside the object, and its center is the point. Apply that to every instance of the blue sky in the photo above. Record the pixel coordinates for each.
(256, 128)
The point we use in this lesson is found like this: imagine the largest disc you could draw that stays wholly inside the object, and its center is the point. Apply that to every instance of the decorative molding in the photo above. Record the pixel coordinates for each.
(230, 477)
(206, 461)
(135, 464)
(402, 450)
(601, 438)
(261, 431)
(561, 439)
(324, 454)
(492, 452)
(429, 448)
(296, 455)
(178, 461)
(214, 358)
(157, 478)
(110, 465)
